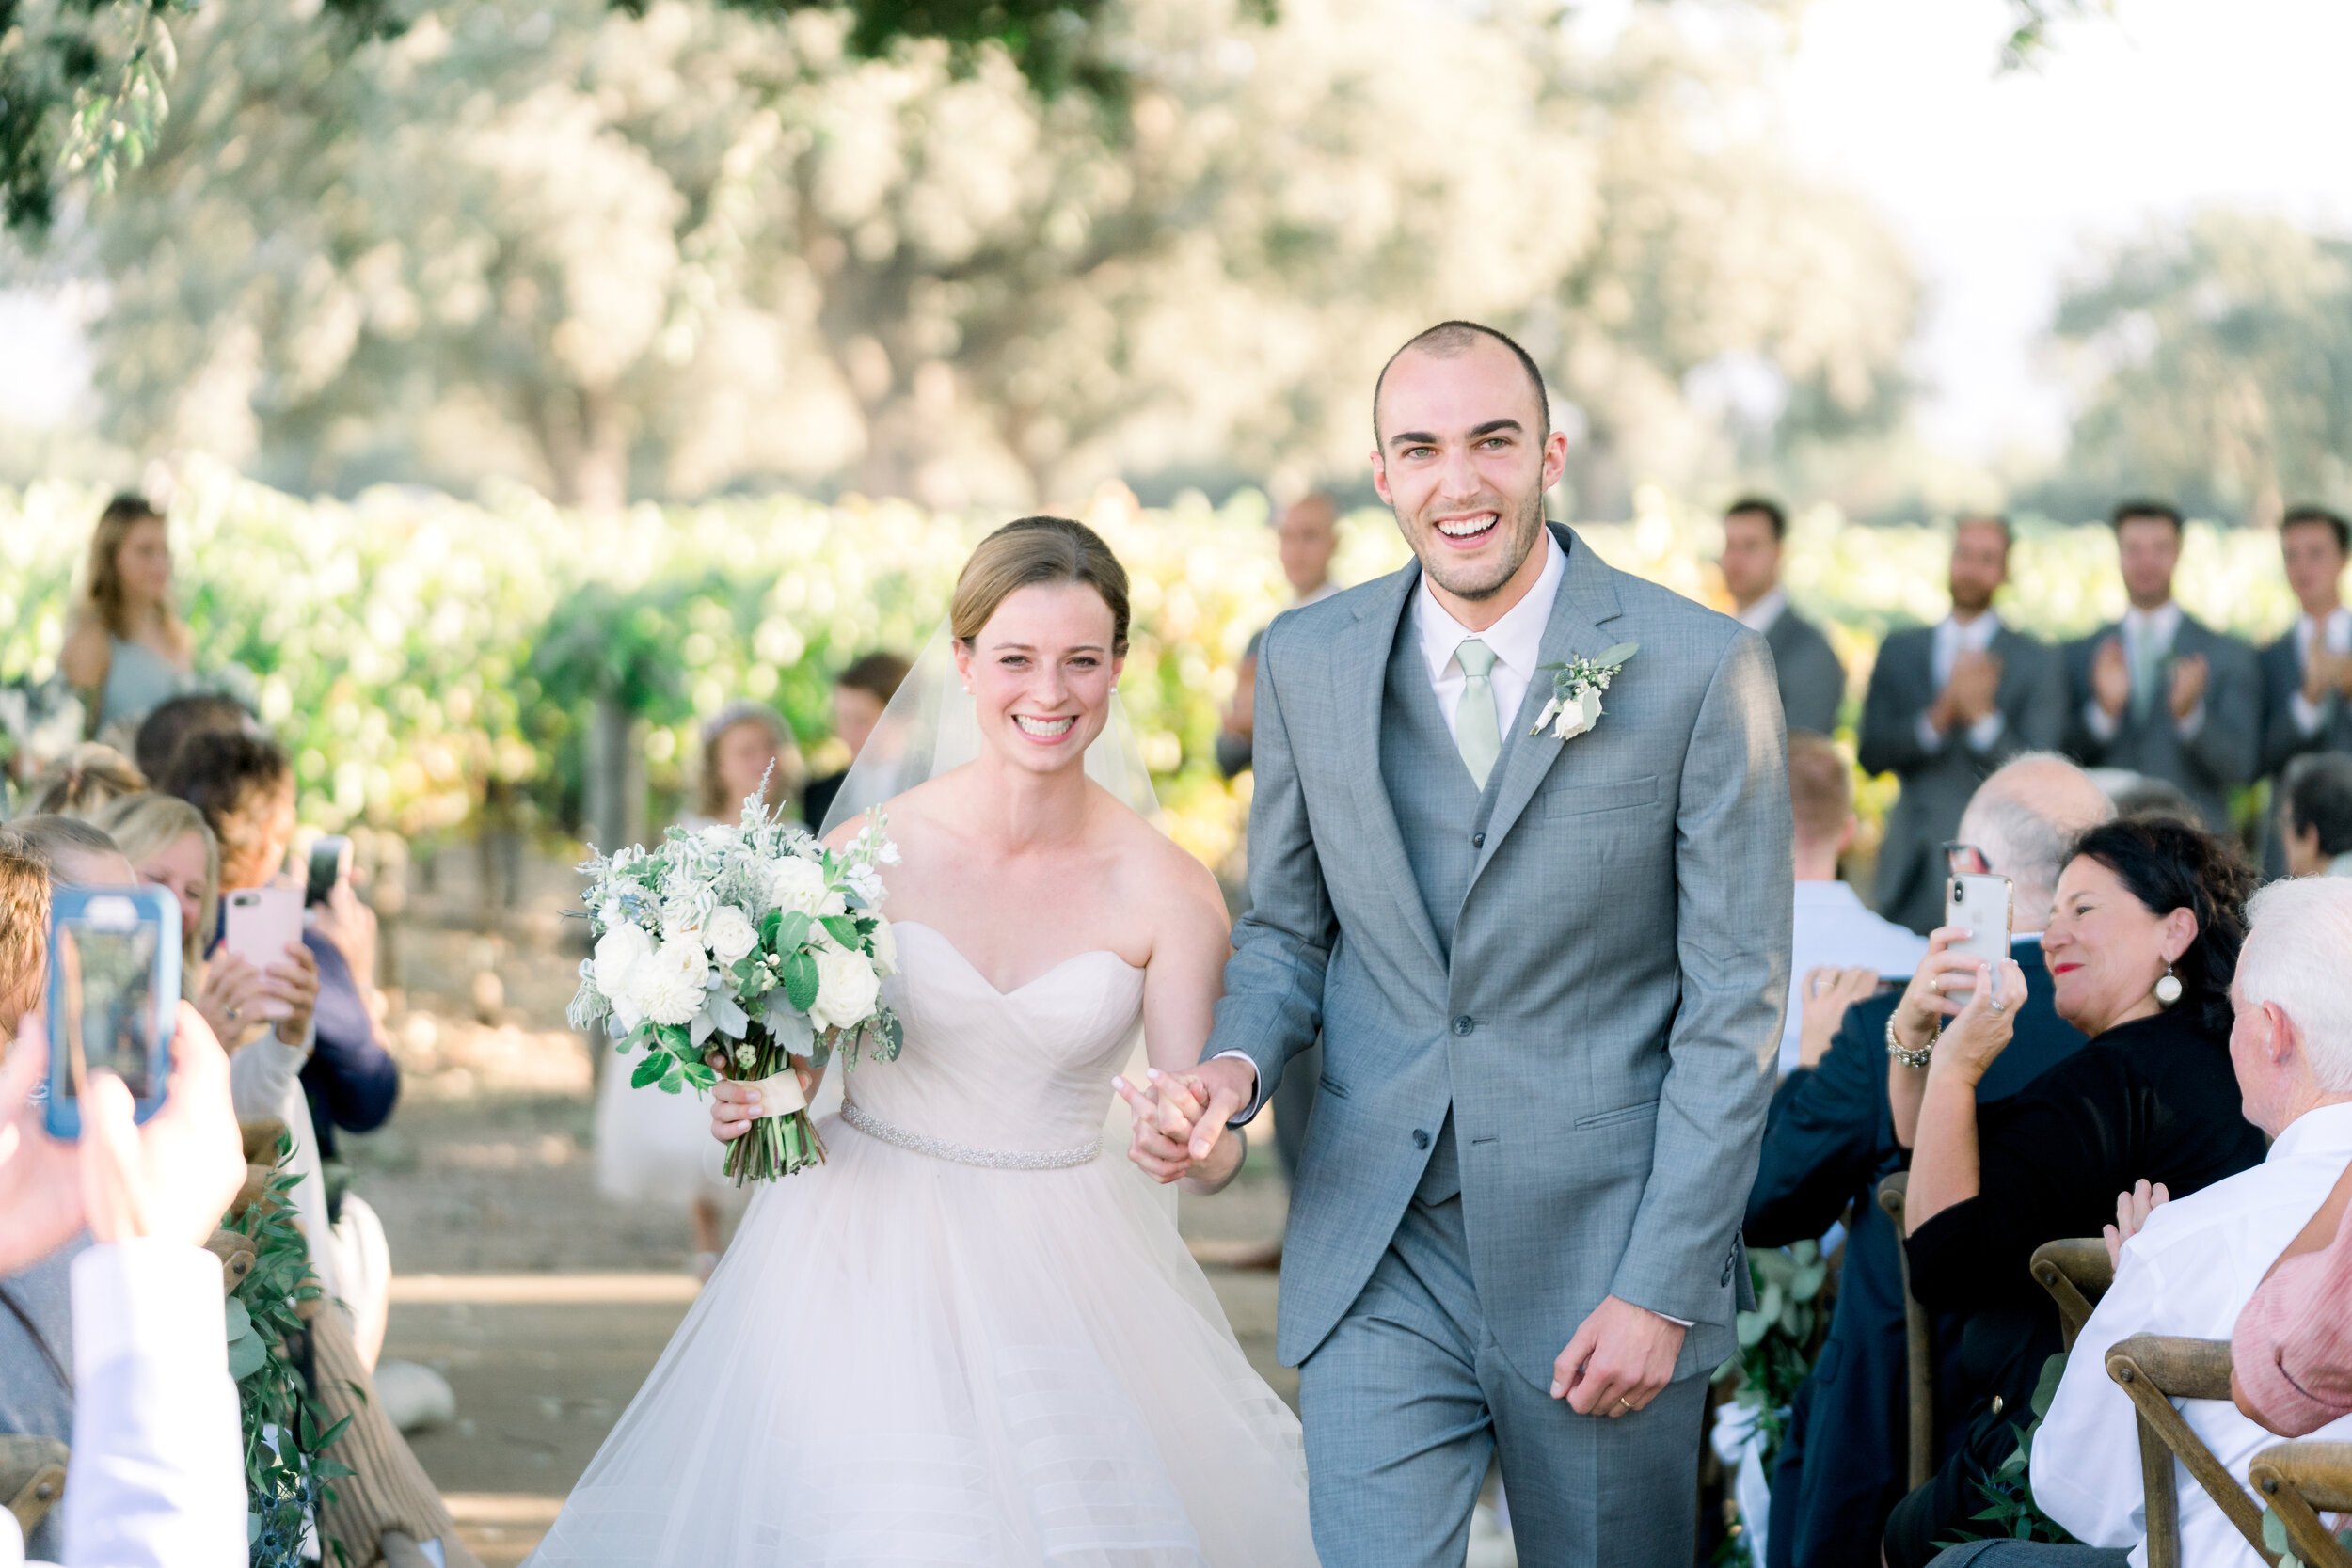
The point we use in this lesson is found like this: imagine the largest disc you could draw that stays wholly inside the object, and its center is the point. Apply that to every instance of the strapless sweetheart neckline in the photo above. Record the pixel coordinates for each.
(1030, 984)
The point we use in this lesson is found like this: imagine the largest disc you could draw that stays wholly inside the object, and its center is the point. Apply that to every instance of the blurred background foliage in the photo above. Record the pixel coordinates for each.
(423, 653)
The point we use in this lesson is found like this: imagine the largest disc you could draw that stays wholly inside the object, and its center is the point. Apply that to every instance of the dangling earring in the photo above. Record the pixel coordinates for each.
(2168, 988)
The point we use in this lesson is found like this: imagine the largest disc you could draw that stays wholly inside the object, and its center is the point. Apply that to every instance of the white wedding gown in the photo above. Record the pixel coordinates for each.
(968, 1338)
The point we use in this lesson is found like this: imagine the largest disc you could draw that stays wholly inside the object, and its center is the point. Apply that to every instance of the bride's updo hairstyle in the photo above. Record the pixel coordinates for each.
(1030, 552)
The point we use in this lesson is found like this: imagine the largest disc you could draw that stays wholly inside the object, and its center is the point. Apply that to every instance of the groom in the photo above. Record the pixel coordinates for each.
(1547, 976)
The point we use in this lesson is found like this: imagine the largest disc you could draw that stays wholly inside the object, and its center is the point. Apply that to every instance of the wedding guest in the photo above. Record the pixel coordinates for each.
(1947, 705)
(157, 1479)
(1307, 536)
(2315, 827)
(2142, 945)
(655, 1148)
(168, 843)
(2307, 672)
(1829, 1138)
(126, 648)
(161, 731)
(2160, 692)
(1812, 682)
(2194, 1263)
(859, 696)
(1833, 929)
(84, 783)
(2291, 1353)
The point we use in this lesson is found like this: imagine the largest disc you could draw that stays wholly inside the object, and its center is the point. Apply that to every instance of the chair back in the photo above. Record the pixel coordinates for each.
(2156, 1369)
(2301, 1481)
(1918, 1347)
(2077, 1272)
(32, 1477)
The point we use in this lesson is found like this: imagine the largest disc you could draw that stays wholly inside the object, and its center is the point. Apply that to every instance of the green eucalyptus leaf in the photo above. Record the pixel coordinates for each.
(800, 981)
(650, 1069)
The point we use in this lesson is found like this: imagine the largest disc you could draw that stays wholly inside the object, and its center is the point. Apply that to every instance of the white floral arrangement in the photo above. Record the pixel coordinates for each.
(1576, 688)
(746, 945)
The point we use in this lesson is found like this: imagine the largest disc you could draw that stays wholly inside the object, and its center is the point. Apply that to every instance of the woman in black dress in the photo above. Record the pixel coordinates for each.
(2141, 946)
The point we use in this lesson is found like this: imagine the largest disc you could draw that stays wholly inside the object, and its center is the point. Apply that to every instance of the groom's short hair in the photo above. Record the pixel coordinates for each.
(1450, 337)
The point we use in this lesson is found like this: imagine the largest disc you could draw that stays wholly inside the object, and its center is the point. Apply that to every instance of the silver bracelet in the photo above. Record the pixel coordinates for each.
(1901, 1054)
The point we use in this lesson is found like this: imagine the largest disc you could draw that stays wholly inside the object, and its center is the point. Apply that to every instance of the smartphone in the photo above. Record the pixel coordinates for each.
(261, 924)
(114, 995)
(1979, 903)
(331, 863)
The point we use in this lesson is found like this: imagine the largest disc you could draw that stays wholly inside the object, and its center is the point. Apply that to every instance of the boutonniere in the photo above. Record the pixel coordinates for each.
(1576, 689)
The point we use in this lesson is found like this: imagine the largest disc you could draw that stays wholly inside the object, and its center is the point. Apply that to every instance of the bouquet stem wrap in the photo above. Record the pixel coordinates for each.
(782, 1140)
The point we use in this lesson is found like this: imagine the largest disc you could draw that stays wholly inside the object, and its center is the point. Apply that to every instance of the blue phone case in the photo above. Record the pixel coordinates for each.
(149, 907)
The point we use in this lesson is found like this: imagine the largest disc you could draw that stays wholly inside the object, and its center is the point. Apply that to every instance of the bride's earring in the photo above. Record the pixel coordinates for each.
(2168, 988)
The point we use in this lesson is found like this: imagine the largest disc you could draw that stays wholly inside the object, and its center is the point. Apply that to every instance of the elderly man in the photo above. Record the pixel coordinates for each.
(2192, 1265)
(1827, 1141)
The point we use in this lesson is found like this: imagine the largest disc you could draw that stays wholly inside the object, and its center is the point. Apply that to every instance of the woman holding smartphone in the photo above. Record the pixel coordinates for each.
(2141, 946)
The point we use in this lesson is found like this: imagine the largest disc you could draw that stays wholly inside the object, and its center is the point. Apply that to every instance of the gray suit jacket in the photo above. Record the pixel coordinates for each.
(2205, 768)
(1812, 682)
(1938, 783)
(1603, 1031)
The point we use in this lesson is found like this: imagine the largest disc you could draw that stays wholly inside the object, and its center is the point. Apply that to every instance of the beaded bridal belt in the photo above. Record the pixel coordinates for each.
(962, 1154)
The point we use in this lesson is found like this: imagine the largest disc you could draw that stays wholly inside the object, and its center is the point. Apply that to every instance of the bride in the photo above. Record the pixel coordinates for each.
(970, 1338)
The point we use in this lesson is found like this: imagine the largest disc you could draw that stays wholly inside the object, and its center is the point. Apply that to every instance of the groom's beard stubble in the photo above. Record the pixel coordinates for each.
(1525, 526)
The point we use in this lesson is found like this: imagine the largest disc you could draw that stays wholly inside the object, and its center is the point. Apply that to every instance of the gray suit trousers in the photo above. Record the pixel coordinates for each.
(1403, 1403)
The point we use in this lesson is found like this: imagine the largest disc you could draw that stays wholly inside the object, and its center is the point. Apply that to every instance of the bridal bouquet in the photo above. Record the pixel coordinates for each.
(754, 942)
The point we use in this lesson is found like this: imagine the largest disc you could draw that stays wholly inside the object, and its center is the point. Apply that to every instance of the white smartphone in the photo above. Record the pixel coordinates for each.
(261, 922)
(1979, 904)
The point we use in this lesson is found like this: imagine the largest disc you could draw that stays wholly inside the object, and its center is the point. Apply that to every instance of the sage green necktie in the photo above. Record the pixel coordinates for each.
(1476, 735)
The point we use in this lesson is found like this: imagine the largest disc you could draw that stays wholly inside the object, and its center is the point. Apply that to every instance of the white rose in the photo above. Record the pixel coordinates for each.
(729, 935)
(845, 990)
(797, 886)
(618, 953)
(886, 950)
(1578, 714)
(668, 986)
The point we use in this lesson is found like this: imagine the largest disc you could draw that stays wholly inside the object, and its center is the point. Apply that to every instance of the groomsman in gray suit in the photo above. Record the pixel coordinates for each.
(2306, 674)
(1545, 944)
(1947, 705)
(2159, 692)
(1812, 682)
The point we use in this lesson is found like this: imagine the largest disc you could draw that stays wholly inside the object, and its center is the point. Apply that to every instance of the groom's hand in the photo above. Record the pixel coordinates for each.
(1620, 1359)
(1176, 1132)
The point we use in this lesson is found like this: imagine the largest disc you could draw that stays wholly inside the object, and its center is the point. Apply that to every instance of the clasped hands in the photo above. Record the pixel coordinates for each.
(1619, 1358)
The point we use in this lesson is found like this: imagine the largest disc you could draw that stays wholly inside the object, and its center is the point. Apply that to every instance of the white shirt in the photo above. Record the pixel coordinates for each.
(158, 1473)
(1760, 615)
(2309, 716)
(1835, 926)
(1516, 640)
(2189, 1272)
(2149, 634)
(1952, 639)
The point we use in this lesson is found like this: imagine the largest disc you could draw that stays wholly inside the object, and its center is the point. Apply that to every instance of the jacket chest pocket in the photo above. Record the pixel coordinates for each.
(1588, 798)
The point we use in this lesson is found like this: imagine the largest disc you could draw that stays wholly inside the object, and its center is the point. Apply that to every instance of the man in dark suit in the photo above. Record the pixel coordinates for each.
(1811, 681)
(2307, 674)
(1830, 1137)
(2159, 692)
(1947, 705)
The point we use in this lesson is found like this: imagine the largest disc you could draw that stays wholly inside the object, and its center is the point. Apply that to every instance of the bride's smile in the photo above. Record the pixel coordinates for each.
(1041, 673)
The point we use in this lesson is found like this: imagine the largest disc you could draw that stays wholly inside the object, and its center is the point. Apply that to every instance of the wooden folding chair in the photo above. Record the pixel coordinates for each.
(32, 1477)
(2077, 1272)
(1918, 1348)
(2156, 1369)
(2301, 1481)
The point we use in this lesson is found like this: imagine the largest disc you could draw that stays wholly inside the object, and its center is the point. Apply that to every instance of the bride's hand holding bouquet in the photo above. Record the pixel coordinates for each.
(742, 955)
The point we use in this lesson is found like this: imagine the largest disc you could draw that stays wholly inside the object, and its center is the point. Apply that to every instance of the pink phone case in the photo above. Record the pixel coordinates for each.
(261, 924)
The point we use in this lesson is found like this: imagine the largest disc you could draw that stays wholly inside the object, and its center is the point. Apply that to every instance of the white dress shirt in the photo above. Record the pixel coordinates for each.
(1953, 638)
(2311, 715)
(2189, 1272)
(1835, 926)
(2147, 634)
(1760, 616)
(1516, 640)
(158, 1475)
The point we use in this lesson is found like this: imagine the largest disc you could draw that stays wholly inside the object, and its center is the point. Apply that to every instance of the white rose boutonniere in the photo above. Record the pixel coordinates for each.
(1576, 689)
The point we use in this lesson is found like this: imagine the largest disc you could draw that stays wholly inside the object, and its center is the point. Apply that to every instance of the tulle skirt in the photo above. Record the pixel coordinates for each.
(654, 1147)
(908, 1361)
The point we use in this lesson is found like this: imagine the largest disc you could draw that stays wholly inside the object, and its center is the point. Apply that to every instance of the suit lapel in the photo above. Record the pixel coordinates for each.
(1359, 671)
(1587, 602)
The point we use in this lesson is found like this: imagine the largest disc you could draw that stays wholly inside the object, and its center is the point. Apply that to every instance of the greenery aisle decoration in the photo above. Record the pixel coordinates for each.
(288, 1477)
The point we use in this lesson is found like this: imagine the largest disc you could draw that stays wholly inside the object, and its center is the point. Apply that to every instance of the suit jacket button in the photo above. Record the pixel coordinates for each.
(1464, 1024)
(1478, 841)
(1420, 1139)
